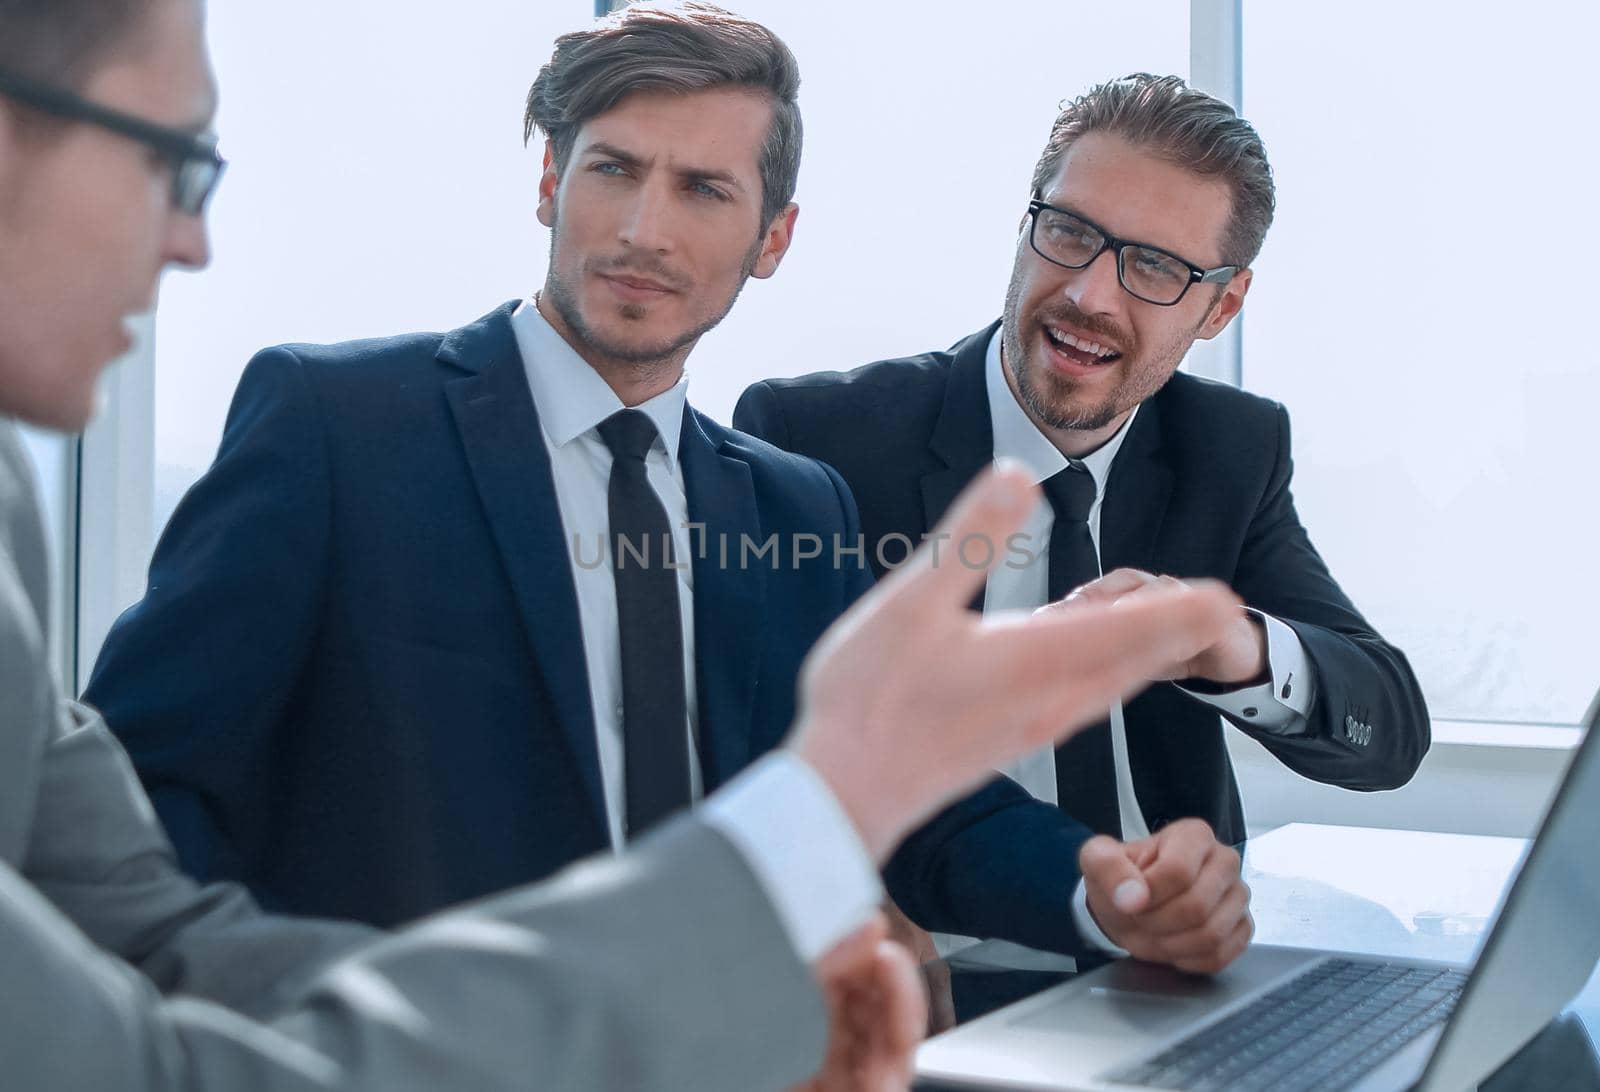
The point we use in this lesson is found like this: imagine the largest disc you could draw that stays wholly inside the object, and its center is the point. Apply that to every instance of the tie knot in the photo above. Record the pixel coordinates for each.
(1071, 493)
(628, 433)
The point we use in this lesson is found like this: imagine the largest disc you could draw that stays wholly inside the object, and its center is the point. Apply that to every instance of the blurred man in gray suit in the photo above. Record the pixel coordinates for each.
(698, 959)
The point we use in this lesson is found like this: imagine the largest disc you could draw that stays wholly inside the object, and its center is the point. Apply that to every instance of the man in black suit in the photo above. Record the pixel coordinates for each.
(391, 657)
(1150, 203)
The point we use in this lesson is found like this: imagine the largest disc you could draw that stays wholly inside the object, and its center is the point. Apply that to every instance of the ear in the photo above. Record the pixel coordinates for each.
(1225, 306)
(775, 244)
(548, 181)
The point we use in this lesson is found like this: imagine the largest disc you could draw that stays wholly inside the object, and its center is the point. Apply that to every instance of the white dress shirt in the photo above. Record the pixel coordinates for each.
(1026, 587)
(780, 814)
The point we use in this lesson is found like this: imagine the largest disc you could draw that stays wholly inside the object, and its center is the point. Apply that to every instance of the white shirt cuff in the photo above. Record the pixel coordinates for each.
(1088, 928)
(1281, 705)
(803, 849)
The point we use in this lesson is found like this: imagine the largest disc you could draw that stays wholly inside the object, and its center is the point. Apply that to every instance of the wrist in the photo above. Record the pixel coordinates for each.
(856, 782)
(1243, 661)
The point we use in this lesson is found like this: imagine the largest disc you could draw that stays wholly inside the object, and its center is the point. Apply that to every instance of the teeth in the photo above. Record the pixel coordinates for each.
(1093, 348)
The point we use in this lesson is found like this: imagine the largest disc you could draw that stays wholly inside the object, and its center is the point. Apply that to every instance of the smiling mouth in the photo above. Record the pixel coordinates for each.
(1080, 351)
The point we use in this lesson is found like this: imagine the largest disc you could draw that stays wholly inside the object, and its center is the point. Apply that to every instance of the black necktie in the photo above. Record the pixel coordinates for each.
(1086, 777)
(655, 733)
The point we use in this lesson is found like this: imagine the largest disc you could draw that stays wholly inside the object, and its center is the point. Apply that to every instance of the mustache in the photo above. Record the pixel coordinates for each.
(647, 266)
(1101, 327)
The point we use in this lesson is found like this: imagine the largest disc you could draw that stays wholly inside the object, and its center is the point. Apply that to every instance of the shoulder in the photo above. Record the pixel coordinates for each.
(1209, 413)
(379, 361)
(834, 413)
(892, 380)
(372, 379)
(787, 485)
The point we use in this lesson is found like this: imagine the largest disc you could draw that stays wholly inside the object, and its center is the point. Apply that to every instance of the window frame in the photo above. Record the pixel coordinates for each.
(111, 530)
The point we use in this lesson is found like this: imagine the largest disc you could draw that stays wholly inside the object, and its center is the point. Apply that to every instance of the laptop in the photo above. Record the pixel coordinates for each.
(1290, 1019)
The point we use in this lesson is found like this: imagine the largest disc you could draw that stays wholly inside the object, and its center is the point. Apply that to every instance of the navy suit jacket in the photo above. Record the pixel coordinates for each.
(1200, 488)
(356, 682)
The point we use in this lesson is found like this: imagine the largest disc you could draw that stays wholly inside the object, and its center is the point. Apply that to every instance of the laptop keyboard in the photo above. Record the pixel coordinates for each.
(1322, 1030)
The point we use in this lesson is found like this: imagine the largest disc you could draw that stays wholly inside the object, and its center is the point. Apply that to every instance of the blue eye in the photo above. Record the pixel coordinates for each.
(705, 189)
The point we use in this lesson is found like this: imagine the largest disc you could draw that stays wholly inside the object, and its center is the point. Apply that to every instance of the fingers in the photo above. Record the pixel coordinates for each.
(1110, 587)
(1183, 851)
(1076, 662)
(1112, 878)
(1189, 907)
(878, 1016)
(852, 954)
(969, 541)
(1213, 956)
(904, 1006)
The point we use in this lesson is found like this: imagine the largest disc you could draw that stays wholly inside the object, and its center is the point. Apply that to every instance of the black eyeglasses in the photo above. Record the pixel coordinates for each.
(1146, 272)
(196, 166)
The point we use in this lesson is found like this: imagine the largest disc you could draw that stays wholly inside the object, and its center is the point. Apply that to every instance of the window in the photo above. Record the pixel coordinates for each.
(378, 183)
(922, 128)
(1423, 306)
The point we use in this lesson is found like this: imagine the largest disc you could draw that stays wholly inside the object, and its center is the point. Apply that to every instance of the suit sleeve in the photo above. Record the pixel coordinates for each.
(193, 678)
(663, 969)
(1369, 726)
(1000, 863)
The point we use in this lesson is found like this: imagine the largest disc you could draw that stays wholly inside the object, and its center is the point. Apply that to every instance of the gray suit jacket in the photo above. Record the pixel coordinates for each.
(667, 968)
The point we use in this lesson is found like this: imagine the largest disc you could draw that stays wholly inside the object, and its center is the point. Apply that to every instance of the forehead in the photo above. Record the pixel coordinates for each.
(163, 73)
(718, 128)
(1140, 196)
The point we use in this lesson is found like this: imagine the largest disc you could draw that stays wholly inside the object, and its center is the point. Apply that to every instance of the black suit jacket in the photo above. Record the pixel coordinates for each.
(1200, 488)
(357, 683)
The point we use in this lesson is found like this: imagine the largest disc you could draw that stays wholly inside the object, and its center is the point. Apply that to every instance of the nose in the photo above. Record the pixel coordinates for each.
(646, 223)
(188, 242)
(1095, 288)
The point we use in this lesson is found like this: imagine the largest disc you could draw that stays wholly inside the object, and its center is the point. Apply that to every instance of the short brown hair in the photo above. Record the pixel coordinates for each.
(683, 48)
(1187, 127)
(63, 43)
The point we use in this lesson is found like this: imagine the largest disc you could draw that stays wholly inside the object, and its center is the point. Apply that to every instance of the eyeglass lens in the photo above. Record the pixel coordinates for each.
(1149, 274)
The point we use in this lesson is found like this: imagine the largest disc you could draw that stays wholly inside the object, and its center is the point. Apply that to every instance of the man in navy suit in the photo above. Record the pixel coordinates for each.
(1149, 204)
(391, 655)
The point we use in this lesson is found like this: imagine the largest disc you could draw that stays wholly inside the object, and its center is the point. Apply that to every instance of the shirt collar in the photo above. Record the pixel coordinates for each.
(570, 395)
(1017, 437)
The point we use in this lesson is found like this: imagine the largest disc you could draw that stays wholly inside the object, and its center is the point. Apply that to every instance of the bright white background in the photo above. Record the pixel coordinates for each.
(379, 183)
(1422, 304)
(1425, 308)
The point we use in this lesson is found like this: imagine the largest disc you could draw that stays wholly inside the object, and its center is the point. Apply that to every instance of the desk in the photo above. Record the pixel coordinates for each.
(1392, 893)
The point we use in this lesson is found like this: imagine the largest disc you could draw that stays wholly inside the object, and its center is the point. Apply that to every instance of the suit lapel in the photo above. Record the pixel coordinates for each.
(728, 598)
(499, 427)
(1136, 495)
(963, 436)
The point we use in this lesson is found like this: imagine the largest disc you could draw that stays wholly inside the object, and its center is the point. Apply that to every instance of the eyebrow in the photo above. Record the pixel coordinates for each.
(1132, 242)
(694, 174)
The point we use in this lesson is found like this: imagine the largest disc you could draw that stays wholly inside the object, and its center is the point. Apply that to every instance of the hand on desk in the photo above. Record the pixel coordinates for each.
(1175, 897)
(1238, 657)
(876, 1013)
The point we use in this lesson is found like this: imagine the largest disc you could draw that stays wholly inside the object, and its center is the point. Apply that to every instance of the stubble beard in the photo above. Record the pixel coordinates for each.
(642, 360)
(1048, 397)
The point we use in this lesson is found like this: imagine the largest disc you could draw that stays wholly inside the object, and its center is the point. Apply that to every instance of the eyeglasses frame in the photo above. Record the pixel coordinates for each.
(180, 147)
(1197, 274)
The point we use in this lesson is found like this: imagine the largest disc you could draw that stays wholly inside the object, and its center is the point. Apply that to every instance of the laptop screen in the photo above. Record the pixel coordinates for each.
(1546, 937)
